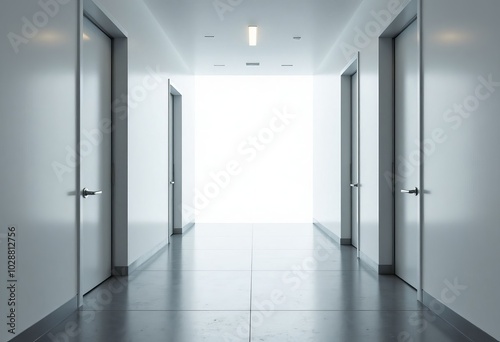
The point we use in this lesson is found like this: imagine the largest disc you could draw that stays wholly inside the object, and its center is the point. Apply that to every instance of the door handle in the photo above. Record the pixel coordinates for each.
(86, 192)
(411, 192)
(172, 182)
(355, 185)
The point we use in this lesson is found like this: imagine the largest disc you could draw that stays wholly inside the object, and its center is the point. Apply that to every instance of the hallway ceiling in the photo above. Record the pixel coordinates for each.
(318, 22)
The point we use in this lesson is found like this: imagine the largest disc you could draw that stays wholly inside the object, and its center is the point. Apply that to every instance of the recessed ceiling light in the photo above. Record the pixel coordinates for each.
(209, 36)
(287, 65)
(219, 65)
(297, 38)
(252, 35)
(253, 64)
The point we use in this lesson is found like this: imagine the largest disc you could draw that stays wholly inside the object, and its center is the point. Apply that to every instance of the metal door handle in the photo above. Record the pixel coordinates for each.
(172, 182)
(411, 192)
(86, 192)
(354, 185)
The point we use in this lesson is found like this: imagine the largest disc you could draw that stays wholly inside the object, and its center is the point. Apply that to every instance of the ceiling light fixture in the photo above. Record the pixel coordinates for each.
(297, 37)
(209, 36)
(219, 65)
(253, 64)
(252, 35)
(287, 65)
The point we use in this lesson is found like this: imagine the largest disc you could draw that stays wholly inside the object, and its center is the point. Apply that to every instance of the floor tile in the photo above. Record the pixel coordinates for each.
(351, 326)
(333, 290)
(285, 229)
(323, 260)
(152, 326)
(211, 242)
(293, 242)
(221, 230)
(201, 260)
(175, 290)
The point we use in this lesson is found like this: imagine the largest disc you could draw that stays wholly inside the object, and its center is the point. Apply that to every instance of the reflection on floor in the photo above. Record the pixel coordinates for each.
(260, 282)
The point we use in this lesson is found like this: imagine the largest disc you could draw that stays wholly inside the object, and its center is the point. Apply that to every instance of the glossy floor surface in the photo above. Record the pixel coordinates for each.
(253, 282)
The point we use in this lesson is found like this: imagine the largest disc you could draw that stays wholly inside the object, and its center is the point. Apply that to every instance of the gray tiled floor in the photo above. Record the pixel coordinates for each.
(300, 286)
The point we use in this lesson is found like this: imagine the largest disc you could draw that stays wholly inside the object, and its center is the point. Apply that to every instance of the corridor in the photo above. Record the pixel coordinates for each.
(253, 282)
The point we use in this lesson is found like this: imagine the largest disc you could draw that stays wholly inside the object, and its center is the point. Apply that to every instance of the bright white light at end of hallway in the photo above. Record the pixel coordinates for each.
(252, 35)
(253, 149)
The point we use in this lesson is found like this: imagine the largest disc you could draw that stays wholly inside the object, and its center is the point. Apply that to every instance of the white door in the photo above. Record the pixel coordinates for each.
(96, 157)
(171, 164)
(407, 154)
(354, 161)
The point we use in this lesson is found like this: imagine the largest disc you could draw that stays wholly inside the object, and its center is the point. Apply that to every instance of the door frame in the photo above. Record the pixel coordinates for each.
(346, 74)
(410, 14)
(119, 116)
(176, 163)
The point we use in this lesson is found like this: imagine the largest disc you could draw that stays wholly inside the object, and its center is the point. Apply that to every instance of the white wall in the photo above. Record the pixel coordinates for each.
(38, 102)
(327, 153)
(357, 36)
(186, 85)
(150, 52)
(38, 110)
(460, 218)
(273, 182)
